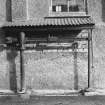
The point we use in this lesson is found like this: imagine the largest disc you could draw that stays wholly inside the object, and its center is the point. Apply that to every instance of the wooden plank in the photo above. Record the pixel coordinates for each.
(48, 29)
(59, 40)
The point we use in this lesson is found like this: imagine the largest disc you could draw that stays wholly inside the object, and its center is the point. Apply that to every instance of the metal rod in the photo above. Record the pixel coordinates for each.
(22, 72)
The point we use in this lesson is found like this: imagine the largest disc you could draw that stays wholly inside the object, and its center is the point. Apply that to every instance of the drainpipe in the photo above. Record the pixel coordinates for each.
(89, 55)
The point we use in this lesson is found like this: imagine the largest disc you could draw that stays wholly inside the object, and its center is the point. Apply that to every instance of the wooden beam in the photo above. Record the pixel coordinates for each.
(75, 54)
(22, 72)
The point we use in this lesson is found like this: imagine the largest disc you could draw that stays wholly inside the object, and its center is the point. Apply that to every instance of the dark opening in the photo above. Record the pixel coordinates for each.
(64, 8)
(74, 8)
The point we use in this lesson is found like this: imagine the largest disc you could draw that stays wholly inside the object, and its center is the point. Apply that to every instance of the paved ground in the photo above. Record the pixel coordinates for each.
(53, 100)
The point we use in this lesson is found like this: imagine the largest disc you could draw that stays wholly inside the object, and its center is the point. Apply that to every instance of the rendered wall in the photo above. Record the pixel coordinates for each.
(97, 11)
(40, 9)
(4, 73)
(4, 65)
(98, 72)
(55, 70)
(19, 10)
(2, 10)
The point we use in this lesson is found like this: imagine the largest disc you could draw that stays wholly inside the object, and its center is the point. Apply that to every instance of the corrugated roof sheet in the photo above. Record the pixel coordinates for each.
(53, 21)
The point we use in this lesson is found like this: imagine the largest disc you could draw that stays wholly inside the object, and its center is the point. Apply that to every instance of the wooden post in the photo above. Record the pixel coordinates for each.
(11, 56)
(22, 72)
(75, 67)
(89, 54)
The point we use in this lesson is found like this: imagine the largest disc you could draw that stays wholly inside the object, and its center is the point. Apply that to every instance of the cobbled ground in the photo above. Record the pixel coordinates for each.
(54, 100)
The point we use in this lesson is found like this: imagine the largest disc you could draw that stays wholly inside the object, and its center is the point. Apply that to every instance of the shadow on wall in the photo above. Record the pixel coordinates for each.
(8, 10)
(103, 10)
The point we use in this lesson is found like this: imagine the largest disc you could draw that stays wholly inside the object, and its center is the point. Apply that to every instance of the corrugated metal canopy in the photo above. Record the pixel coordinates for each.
(53, 21)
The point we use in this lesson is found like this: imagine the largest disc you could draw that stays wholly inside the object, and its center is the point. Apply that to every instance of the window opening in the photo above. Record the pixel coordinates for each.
(68, 5)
